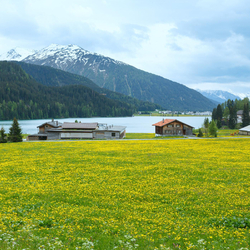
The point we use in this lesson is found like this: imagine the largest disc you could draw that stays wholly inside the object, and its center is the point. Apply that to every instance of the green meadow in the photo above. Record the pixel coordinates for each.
(126, 194)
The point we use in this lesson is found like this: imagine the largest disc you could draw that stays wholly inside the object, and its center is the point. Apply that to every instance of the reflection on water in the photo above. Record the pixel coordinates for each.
(136, 124)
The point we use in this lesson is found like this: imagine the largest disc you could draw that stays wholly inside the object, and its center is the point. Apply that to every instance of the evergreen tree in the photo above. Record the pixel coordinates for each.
(15, 132)
(219, 115)
(206, 125)
(213, 128)
(226, 115)
(200, 134)
(232, 117)
(214, 114)
(2, 136)
(245, 118)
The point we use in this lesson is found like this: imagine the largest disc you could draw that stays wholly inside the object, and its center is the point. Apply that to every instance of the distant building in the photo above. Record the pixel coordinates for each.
(71, 130)
(168, 127)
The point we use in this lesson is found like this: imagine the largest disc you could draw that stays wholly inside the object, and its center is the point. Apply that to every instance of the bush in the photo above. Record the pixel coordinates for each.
(200, 134)
(2, 136)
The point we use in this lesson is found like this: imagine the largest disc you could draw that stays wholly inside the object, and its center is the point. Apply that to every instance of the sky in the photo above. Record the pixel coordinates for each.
(203, 44)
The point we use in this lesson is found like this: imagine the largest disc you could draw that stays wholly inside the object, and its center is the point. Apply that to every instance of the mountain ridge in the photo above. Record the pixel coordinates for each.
(121, 77)
(219, 96)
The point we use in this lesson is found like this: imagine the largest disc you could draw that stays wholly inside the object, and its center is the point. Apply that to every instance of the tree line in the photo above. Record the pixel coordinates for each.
(226, 113)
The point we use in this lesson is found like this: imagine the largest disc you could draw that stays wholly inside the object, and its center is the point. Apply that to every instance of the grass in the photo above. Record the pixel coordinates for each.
(228, 132)
(221, 133)
(140, 135)
(138, 194)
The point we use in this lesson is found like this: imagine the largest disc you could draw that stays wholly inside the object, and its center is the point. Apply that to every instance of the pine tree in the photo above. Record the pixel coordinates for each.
(219, 115)
(15, 132)
(2, 136)
(232, 117)
(214, 114)
(245, 118)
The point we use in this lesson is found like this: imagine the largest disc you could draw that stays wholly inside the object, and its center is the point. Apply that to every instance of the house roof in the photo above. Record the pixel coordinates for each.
(75, 125)
(54, 124)
(163, 122)
(168, 121)
(247, 128)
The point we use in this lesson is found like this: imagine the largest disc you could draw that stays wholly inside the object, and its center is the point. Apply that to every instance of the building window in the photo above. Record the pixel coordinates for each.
(178, 125)
(170, 126)
(168, 131)
(113, 134)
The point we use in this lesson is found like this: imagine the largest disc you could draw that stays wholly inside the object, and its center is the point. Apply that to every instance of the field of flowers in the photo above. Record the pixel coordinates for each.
(148, 194)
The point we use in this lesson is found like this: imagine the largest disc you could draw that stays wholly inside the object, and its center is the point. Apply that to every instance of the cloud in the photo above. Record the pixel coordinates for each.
(193, 42)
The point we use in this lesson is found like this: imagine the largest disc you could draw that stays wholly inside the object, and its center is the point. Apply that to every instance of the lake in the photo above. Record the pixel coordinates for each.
(136, 124)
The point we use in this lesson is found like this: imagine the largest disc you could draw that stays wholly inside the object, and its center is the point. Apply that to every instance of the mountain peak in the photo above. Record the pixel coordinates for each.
(61, 56)
(16, 54)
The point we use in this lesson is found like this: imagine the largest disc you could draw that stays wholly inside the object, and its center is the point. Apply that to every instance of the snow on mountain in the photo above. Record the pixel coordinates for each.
(219, 96)
(17, 54)
(63, 55)
(243, 95)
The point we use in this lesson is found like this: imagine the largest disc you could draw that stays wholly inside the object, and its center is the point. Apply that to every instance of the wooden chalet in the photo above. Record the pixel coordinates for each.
(170, 127)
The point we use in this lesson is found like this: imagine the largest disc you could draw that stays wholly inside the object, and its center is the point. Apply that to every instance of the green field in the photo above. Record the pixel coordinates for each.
(127, 194)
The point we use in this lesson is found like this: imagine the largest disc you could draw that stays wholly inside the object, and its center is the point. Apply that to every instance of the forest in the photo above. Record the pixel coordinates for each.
(24, 98)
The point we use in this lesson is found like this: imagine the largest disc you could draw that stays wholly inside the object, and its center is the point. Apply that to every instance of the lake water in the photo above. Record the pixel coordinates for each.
(136, 124)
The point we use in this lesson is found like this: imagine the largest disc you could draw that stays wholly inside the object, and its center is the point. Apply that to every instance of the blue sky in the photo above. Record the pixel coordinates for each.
(200, 43)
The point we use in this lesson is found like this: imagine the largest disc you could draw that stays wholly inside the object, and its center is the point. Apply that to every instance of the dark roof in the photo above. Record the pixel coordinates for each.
(75, 125)
(168, 121)
(54, 124)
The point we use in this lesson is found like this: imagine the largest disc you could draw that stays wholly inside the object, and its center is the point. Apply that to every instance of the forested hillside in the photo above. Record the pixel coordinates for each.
(54, 77)
(22, 97)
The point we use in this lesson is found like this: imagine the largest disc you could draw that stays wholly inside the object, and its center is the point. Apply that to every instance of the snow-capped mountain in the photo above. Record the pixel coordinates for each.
(120, 77)
(62, 56)
(17, 54)
(219, 96)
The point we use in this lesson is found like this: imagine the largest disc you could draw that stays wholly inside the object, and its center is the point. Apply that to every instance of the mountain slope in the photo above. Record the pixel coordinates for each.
(120, 77)
(219, 96)
(22, 97)
(54, 77)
